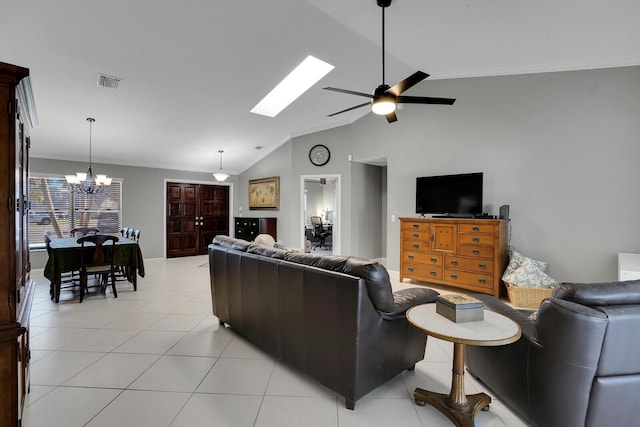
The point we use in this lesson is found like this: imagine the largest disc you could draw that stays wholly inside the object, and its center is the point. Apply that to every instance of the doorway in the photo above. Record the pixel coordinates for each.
(195, 214)
(320, 196)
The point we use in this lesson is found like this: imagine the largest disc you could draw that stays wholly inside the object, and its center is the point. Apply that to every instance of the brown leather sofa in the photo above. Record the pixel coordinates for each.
(576, 364)
(334, 318)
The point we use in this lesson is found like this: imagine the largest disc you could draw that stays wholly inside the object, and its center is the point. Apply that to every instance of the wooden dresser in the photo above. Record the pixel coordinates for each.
(16, 286)
(249, 228)
(465, 253)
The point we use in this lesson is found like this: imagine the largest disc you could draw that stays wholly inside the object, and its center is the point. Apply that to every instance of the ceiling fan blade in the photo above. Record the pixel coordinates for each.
(391, 117)
(349, 109)
(424, 100)
(410, 81)
(350, 92)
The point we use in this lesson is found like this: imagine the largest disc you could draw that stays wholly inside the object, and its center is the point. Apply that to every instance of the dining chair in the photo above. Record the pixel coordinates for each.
(83, 231)
(98, 263)
(135, 235)
(67, 279)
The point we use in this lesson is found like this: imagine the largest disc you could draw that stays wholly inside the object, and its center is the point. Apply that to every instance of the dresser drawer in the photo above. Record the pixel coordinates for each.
(474, 280)
(477, 228)
(422, 272)
(476, 251)
(416, 235)
(476, 239)
(417, 226)
(470, 264)
(422, 258)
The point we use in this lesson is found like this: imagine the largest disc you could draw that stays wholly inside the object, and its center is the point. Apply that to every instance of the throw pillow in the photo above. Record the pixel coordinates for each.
(529, 274)
(515, 261)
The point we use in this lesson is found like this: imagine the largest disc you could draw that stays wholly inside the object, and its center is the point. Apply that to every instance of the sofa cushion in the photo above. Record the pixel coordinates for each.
(231, 243)
(596, 294)
(375, 275)
(267, 251)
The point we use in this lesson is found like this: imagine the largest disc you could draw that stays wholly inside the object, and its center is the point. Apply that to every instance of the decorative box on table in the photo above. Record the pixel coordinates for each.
(460, 308)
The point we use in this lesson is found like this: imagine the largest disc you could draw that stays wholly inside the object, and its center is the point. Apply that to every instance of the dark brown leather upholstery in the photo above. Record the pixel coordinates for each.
(334, 318)
(577, 364)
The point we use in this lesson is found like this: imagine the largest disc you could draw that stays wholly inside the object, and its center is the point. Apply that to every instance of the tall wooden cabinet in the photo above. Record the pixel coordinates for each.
(249, 228)
(17, 116)
(465, 253)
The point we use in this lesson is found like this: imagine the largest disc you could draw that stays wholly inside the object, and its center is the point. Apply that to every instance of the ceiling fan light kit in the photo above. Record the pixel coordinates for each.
(385, 99)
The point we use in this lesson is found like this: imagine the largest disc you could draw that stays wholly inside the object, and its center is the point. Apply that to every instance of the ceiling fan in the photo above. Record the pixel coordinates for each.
(385, 99)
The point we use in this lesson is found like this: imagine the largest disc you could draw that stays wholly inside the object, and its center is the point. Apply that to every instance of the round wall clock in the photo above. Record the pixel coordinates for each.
(319, 155)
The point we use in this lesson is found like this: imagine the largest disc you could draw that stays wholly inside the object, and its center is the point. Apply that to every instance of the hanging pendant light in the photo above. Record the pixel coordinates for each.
(87, 182)
(220, 175)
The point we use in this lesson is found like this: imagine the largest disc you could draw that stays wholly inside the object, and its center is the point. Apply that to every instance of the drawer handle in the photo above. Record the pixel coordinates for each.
(483, 281)
(454, 276)
(476, 228)
(416, 225)
(410, 257)
(454, 262)
(476, 239)
(415, 245)
(476, 251)
(410, 269)
(482, 265)
(433, 273)
(416, 235)
(434, 259)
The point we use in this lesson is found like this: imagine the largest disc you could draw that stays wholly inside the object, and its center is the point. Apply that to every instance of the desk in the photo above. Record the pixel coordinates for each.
(65, 256)
(495, 329)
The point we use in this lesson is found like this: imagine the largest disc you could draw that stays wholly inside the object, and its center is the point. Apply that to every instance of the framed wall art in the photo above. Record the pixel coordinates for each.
(264, 193)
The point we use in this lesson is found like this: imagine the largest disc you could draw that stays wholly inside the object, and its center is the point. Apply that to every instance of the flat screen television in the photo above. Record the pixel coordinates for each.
(451, 195)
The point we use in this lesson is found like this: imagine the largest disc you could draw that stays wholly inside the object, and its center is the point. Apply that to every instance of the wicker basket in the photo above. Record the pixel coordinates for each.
(523, 296)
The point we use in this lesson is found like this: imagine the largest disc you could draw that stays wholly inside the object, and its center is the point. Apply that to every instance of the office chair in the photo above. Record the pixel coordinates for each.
(319, 232)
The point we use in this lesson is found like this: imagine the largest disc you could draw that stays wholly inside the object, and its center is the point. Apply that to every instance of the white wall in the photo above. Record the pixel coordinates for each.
(562, 149)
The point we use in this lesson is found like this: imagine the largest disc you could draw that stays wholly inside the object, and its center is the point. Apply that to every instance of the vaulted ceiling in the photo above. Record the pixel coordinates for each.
(191, 70)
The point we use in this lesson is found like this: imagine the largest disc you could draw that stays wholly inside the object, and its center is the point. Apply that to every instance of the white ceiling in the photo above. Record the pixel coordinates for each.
(193, 69)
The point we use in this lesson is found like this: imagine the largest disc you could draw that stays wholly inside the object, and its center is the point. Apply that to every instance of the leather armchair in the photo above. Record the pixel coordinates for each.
(576, 364)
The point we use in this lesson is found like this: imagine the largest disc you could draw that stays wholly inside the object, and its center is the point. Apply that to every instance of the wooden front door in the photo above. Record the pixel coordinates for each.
(195, 214)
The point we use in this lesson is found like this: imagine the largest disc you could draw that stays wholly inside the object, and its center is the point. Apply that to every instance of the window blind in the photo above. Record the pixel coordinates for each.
(55, 209)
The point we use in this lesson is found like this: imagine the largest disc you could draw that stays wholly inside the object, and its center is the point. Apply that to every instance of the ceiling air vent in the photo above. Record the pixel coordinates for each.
(108, 81)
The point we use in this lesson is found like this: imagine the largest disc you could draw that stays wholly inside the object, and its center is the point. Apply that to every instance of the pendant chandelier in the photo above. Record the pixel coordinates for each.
(220, 175)
(87, 182)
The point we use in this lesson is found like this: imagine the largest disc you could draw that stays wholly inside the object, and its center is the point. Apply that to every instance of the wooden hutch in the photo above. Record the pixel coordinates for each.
(16, 287)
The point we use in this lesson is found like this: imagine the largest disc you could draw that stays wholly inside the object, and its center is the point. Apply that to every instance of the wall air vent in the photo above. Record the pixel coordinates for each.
(108, 81)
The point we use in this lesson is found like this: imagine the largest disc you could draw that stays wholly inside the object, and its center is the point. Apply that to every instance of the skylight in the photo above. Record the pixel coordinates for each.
(305, 75)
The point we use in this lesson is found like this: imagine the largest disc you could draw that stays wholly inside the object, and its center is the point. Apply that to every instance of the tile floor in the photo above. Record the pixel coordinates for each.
(157, 357)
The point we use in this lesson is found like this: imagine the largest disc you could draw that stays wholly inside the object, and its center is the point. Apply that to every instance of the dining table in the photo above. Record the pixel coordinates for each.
(65, 254)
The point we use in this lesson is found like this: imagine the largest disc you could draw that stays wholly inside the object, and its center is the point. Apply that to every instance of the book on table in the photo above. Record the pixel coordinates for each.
(460, 308)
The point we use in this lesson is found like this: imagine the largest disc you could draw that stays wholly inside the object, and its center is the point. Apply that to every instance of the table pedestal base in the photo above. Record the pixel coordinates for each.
(461, 415)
